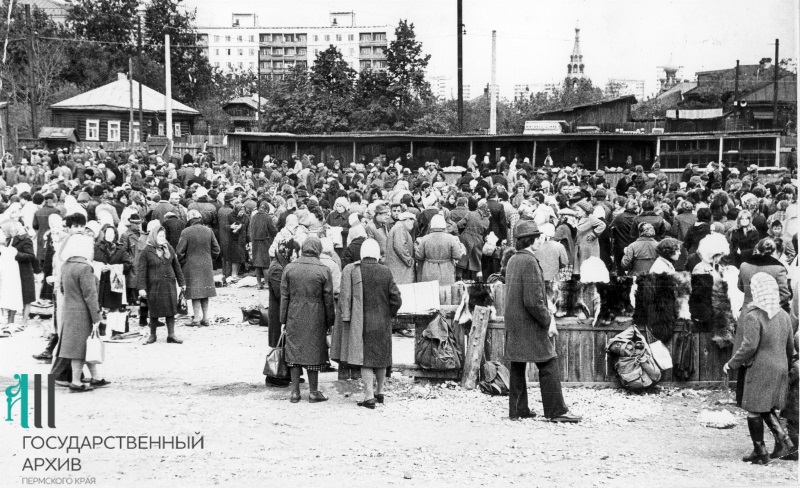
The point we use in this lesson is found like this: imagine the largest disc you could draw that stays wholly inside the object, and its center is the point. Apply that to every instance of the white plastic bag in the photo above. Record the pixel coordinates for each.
(95, 351)
(661, 355)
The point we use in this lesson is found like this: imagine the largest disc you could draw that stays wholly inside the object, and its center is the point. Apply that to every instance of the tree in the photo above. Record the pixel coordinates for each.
(406, 66)
(332, 83)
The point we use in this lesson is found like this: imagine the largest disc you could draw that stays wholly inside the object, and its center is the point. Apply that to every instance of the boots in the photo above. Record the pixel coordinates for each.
(792, 455)
(295, 372)
(783, 445)
(759, 455)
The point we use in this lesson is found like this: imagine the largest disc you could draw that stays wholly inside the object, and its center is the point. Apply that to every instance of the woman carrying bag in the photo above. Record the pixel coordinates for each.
(156, 272)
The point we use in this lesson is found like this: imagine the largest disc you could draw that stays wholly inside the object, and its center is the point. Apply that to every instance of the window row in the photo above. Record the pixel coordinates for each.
(279, 65)
(282, 38)
(230, 52)
(251, 38)
(240, 64)
(283, 51)
(114, 133)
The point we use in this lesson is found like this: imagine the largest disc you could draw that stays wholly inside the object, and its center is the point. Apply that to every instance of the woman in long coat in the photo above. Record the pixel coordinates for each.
(286, 251)
(763, 351)
(80, 312)
(262, 231)
(109, 251)
(307, 311)
(25, 257)
(366, 320)
(474, 227)
(237, 238)
(588, 230)
(400, 249)
(529, 329)
(437, 253)
(157, 271)
(197, 250)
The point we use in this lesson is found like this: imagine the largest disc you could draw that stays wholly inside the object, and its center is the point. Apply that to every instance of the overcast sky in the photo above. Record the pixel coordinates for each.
(619, 38)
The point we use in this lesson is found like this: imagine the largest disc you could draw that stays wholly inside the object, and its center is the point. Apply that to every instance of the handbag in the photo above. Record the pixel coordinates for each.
(183, 309)
(275, 365)
(95, 350)
(659, 352)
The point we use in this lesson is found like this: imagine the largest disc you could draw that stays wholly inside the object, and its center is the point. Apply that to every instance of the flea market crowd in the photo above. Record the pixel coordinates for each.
(330, 242)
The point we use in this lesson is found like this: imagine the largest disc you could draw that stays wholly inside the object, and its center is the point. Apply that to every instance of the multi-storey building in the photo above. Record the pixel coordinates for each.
(274, 51)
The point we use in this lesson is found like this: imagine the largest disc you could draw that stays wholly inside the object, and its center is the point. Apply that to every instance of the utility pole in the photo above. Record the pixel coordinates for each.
(258, 89)
(493, 87)
(775, 87)
(31, 83)
(736, 94)
(168, 66)
(139, 62)
(130, 88)
(460, 29)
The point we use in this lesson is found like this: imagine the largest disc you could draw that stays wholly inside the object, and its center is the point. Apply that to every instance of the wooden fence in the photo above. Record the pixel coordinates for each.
(581, 347)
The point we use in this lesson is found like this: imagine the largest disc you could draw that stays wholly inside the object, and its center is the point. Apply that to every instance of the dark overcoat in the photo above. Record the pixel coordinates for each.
(262, 232)
(237, 240)
(223, 218)
(307, 310)
(197, 249)
(41, 224)
(527, 317)
(25, 258)
(81, 308)
(274, 275)
(381, 303)
(765, 347)
(173, 227)
(157, 277)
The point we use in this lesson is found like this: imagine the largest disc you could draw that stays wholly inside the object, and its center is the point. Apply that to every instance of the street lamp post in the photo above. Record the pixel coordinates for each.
(140, 12)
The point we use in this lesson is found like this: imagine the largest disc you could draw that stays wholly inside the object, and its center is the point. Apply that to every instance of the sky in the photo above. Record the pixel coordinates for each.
(626, 39)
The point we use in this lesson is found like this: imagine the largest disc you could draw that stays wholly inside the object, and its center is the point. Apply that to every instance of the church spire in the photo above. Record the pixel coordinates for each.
(575, 66)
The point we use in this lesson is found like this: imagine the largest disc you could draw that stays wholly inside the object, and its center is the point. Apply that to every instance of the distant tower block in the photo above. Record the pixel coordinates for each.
(575, 66)
(670, 78)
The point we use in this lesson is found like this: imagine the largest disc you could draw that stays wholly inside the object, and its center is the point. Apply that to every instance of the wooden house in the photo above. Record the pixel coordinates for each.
(604, 114)
(243, 112)
(103, 114)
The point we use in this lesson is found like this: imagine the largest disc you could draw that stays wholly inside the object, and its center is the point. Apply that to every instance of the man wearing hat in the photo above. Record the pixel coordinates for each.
(531, 331)
(624, 183)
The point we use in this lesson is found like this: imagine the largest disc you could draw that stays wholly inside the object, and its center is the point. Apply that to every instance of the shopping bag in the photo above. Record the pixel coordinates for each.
(183, 309)
(275, 365)
(95, 351)
(661, 355)
(116, 321)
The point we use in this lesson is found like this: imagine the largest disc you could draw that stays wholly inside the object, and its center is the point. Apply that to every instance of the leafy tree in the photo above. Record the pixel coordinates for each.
(291, 106)
(332, 84)
(372, 103)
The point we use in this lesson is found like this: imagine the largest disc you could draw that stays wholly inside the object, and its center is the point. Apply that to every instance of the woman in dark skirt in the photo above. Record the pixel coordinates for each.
(762, 352)
(287, 251)
(156, 272)
(110, 252)
(238, 221)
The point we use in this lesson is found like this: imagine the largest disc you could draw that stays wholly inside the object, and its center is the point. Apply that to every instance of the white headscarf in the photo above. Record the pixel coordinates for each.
(370, 249)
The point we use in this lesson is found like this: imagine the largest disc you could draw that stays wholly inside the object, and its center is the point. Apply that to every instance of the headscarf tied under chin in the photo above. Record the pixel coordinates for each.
(765, 293)
(152, 240)
(312, 247)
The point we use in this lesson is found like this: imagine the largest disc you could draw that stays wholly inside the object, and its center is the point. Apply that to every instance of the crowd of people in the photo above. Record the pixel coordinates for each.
(315, 233)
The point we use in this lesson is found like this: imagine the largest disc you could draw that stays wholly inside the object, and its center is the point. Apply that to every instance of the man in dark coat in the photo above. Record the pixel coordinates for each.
(41, 224)
(162, 207)
(262, 233)
(197, 249)
(531, 331)
(307, 311)
(624, 232)
(223, 219)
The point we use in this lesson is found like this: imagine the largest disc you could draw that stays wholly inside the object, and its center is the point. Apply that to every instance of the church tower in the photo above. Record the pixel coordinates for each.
(575, 66)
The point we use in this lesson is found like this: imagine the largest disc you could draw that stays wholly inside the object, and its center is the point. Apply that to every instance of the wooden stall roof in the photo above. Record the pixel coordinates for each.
(406, 136)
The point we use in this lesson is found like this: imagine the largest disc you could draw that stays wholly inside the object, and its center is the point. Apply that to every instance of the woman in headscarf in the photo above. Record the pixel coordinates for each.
(25, 257)
(438, 252)
(238, 222)
(763, 351)
(307, 310)
(763, 260)
(111, 253)
(365, 338)
(81, 311)
(291, 230)
(641, 254)
(286, 251)
(356, 236)
(197, 249)
(262, 232)
(339, 222)
(400, 249)
(156, 273)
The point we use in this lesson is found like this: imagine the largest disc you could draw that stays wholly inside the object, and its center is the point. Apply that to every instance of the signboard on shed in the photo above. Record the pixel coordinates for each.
(533, 127)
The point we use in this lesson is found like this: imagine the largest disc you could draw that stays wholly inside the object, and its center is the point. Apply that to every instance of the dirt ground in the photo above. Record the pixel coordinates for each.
(425, 434)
